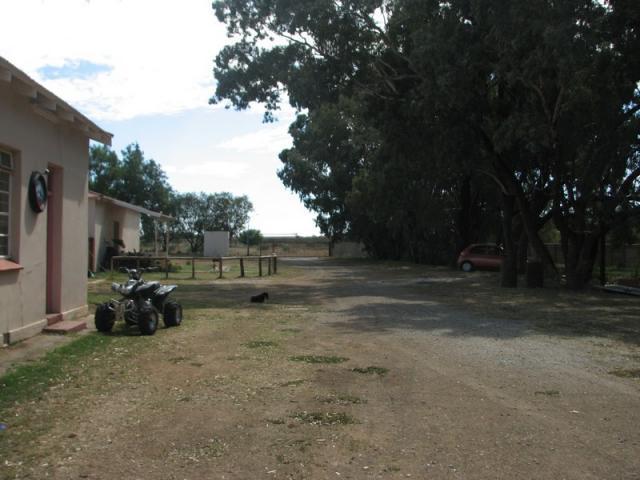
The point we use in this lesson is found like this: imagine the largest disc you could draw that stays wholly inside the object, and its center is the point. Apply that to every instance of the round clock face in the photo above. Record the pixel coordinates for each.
(38, 192)
(41, 194)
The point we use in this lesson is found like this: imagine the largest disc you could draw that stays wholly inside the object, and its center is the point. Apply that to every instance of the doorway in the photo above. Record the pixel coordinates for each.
(54, 240)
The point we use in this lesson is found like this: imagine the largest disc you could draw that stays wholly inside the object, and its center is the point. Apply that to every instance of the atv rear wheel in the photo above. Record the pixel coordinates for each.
(148, 321)
(172, 314)
(105, 318)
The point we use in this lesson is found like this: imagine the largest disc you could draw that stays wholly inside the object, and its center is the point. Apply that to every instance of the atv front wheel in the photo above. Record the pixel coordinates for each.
(172, 314)
(148, 321)
(105, 318)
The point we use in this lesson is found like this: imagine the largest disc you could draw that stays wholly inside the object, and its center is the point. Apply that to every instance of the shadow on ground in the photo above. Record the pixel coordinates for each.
(384, 296)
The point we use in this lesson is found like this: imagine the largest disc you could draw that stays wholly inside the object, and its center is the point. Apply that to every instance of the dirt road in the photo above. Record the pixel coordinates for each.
(353, 370)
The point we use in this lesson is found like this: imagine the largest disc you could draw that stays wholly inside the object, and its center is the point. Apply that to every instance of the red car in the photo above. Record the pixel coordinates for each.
(480, 255)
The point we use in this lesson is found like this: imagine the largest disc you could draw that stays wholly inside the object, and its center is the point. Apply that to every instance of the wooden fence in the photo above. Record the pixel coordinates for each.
(217, 263)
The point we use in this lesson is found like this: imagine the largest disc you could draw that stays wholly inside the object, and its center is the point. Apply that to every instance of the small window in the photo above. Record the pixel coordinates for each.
(5, 160)
(6, 170)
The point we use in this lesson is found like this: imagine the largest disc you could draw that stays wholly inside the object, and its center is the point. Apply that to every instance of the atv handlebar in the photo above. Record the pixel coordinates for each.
(136, 273)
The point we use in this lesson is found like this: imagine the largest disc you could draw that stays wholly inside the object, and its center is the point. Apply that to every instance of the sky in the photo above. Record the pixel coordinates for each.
(143, 70)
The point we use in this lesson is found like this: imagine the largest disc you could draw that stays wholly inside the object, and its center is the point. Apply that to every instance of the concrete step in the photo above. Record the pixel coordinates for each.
(66, 326)
(53, 318)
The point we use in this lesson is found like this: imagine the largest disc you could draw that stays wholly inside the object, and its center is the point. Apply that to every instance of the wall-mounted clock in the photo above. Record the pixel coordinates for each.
(38, 192)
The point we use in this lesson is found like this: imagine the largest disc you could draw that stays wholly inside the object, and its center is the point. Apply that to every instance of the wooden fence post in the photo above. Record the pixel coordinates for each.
(166, 267)
(259, 265)
(275, 264)
(241, 267)
(193, 267)
(269, 266)
(111, 261)
(220, 273)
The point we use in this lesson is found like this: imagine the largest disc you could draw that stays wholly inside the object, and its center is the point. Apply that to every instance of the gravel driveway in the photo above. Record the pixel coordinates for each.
(355, 370)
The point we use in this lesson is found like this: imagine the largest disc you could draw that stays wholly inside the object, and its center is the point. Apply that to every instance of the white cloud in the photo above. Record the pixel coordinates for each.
(160, 51)
(225, 170)
(155, 57)
(268, 140)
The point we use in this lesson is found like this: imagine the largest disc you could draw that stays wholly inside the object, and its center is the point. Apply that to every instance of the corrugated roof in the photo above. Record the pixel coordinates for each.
(130, 206)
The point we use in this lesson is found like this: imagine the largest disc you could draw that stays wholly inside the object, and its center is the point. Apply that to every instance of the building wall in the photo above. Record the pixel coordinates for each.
(96, 226)
(130, 225)
(36, 142)
(102, 216)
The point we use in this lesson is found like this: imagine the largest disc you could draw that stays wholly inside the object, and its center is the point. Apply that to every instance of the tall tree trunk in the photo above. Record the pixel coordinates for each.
(509, 269)
(464, 217)
(529, 222)
(582, 256)
(603, 257)
(523, 246)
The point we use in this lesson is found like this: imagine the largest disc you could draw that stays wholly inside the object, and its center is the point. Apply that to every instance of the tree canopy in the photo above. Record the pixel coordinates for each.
(141, 181)
(131, 178)
(250, 237)
(197, 213)
(426, 125)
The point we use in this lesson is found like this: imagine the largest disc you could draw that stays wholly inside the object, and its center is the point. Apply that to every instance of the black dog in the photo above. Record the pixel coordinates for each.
(260, 298)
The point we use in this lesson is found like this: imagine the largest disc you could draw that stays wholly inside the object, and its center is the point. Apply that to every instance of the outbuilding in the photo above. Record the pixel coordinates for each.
(44, 165)
(114, 226)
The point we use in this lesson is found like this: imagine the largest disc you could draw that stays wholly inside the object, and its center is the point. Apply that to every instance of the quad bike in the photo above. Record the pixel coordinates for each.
(141, 304)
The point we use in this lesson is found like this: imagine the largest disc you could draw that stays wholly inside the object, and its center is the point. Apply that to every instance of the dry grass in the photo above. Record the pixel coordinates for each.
(236, 378)
(626, 373)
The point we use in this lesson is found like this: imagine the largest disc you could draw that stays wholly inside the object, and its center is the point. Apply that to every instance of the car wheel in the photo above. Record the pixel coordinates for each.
(172, 314)
(467, 267)
(105, 318)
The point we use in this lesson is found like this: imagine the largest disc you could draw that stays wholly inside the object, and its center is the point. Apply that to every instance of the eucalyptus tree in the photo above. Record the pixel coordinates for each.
(538, 97)
(133, 178)
(197, 213)
(335, 61)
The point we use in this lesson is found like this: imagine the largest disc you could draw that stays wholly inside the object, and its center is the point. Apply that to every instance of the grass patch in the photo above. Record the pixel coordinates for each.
(238, 357)
(290, 330)
(176, 360)
(342, 400)
(324, 418)
(30, 381)
(260, 344)
(631, 373)
(371, 370)
(292, 383)
(275, 421)
(318, 359)
(548, 393)
(212, 448)
(96, 298)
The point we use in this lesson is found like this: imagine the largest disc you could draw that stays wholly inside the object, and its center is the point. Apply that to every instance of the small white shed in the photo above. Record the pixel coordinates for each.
(216, 244)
